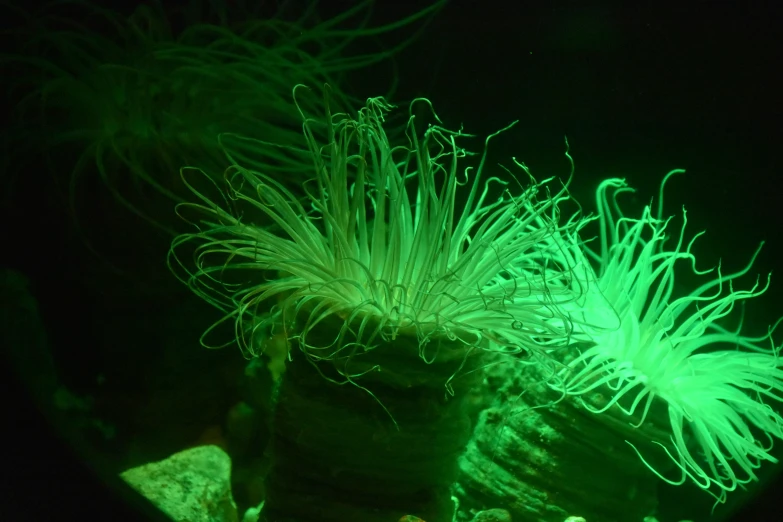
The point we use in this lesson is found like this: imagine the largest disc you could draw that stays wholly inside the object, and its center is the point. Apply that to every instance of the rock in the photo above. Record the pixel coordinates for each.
(492, 515)
(190, 486)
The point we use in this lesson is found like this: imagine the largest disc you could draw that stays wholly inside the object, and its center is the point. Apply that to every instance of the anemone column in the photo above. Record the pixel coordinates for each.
(379, 448)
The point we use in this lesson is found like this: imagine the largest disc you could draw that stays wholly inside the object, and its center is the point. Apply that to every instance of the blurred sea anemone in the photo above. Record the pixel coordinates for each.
(137, 97)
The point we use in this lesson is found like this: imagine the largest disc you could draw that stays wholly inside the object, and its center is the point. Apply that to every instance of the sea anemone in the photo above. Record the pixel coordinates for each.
(365, 248)
(387, 278)
(136, 97)
(648, 346)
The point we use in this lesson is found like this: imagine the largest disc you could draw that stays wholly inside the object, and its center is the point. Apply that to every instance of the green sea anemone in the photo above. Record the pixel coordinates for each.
(365, 246)
(400, 268)
(721, 387)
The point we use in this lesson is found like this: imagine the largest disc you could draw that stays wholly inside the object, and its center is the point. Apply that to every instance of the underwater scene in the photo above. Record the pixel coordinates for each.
(377, 261)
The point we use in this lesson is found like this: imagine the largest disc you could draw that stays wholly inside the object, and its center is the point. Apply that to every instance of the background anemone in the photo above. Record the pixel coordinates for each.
(128, 98)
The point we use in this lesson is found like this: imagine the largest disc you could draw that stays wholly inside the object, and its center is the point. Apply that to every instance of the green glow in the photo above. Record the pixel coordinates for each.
(649, 344)
(379, 243)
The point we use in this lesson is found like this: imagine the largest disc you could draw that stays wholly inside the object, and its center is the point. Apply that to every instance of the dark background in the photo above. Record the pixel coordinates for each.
(637, 90)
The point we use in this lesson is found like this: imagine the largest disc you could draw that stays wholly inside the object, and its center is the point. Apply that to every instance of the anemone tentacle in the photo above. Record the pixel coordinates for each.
(648, 345)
